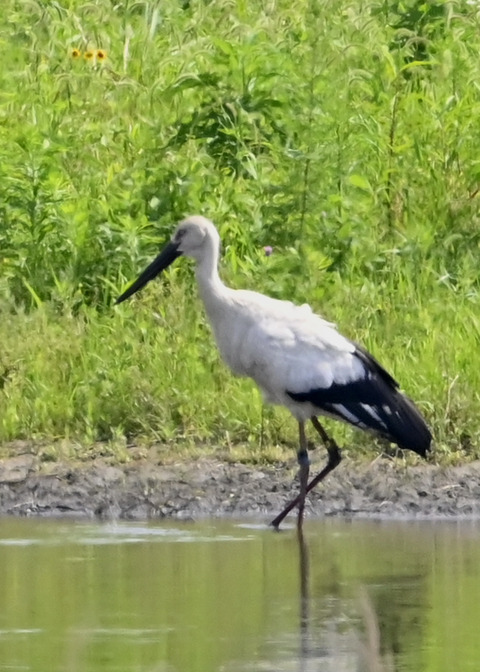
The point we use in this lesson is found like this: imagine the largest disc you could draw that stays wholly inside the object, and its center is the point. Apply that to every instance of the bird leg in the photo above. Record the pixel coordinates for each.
(334, 457)
(304, 462)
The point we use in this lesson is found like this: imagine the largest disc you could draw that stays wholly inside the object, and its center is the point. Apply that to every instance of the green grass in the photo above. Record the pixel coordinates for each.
(342, 133)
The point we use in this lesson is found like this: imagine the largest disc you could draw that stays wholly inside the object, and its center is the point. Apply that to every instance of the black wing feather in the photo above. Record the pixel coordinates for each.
(373, 402)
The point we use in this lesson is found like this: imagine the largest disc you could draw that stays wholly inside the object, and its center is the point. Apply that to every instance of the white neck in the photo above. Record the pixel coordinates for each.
(210, 286)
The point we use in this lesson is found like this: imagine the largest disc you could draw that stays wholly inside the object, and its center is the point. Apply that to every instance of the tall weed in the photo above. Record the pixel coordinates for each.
(342, 134)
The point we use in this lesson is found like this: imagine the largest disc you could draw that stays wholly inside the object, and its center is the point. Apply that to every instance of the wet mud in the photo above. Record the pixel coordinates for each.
(143, 489)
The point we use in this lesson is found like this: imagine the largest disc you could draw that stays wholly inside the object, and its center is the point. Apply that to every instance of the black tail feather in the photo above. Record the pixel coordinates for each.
(396, 418)
(374, 403)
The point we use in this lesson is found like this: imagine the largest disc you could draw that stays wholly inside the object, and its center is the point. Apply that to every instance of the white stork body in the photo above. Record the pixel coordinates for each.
(296, 358)
(283, 347)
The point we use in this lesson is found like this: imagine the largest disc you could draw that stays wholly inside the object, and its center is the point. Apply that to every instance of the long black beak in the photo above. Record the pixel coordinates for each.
(168, 255)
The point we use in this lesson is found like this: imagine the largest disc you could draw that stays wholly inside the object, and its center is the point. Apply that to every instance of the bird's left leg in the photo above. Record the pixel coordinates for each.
(334, 457)
(304, 463)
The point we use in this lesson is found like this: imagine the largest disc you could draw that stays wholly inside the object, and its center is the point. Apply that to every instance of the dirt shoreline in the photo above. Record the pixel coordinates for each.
(207, 487)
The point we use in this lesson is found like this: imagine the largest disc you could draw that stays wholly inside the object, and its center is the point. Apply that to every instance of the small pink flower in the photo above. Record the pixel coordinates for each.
(268, 249)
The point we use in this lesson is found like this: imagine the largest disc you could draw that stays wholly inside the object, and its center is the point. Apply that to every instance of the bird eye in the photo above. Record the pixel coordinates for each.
(180, 233)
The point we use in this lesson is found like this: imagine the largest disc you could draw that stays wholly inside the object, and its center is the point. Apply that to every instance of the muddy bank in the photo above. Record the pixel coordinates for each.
(207, 487)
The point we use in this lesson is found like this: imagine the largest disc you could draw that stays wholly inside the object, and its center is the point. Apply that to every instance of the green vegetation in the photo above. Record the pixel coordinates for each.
(343, 133)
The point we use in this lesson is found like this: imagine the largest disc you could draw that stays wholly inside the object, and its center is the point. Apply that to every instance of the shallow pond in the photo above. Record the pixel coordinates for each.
(235, 597)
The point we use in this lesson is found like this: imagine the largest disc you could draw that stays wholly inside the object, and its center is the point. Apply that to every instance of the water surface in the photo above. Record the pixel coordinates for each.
(235, 597)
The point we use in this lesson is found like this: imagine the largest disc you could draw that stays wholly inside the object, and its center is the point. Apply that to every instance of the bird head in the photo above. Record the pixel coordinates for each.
(192, 238)
(194, 235)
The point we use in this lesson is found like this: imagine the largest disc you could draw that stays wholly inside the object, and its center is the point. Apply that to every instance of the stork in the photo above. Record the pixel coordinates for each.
(297, 359)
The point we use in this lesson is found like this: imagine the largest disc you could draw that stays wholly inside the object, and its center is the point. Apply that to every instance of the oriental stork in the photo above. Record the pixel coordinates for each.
(297, 359)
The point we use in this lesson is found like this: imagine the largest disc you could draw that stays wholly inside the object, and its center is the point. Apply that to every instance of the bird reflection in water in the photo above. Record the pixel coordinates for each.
(368, 651)
(304, 575)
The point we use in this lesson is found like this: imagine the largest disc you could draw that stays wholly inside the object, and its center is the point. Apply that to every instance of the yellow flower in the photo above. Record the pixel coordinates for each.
(75, 53)
(101, 55)
(89, 55)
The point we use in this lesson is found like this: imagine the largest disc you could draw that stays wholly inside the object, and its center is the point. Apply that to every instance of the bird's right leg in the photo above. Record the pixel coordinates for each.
(304, 463)
(334, 457)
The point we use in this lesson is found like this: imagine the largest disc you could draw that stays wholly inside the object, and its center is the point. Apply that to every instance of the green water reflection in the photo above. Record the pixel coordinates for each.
(222, 596)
